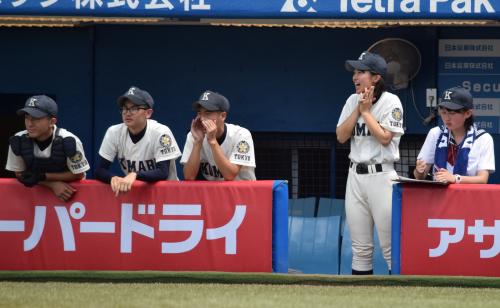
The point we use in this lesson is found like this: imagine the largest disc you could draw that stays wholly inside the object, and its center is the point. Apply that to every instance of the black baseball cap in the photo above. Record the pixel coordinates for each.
(456, 98)
(39, 106)
(368, 61)
(137, 97)
(212, 101)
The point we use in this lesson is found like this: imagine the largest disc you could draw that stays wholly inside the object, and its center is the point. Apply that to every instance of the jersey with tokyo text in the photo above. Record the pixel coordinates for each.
(158, 144)
(365, 148)
(76, 164)
(237, 147)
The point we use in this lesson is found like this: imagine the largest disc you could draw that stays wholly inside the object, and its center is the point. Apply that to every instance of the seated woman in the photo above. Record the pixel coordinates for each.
(459, 151)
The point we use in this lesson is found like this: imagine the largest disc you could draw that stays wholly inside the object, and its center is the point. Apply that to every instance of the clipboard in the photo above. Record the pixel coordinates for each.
(402, 179)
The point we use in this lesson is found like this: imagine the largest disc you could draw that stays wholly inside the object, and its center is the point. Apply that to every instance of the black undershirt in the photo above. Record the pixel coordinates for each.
(42, 145)
(137, 137)
(221, 139)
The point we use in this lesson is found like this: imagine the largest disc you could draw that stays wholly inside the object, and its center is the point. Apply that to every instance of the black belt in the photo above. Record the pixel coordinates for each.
(364, 168)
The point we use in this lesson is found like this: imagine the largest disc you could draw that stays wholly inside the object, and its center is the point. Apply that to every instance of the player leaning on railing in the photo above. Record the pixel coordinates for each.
(44, 153)
(216, 150)
(146, 150)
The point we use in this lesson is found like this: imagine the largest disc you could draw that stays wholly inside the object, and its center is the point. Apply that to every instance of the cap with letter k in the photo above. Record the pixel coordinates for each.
(456, 98)
(212, 101)
(39, 106)
(137, 97)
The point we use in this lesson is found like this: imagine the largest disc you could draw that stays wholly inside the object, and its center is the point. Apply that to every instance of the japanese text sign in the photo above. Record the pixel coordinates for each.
(166, 226)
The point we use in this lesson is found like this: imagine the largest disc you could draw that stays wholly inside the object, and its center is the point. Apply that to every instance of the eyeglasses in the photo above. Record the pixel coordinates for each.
(131, 110)
(447, 112)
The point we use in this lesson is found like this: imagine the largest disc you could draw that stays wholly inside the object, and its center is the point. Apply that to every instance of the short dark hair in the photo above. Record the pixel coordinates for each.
(469, 122)
(379, 87)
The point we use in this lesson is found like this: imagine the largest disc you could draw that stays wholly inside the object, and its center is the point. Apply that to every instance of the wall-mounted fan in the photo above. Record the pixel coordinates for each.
(403, 60)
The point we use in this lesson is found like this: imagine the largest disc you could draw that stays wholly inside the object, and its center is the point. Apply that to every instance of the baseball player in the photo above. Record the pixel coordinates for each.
(146, 150)
(44, 153)
(372, 119)
(216, 150)
(459, 151)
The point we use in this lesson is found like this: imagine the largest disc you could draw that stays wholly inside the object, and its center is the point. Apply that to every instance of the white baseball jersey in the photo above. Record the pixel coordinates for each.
(481, 155)
(369, 196)
(365, 148)
(76, 164)
(158, 144)
(237, 147)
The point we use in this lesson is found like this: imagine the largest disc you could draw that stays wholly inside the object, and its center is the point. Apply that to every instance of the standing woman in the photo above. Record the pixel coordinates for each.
(459, 151)
(372, 119)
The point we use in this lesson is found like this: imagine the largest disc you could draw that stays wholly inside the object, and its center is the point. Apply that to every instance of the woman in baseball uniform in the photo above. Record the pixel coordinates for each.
(372, 119)
(459, 151)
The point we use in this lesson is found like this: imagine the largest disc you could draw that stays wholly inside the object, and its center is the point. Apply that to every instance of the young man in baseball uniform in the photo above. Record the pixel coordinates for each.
(44, 153)
(459, 151)
(146, 150)
(372, 119)
(216, 150)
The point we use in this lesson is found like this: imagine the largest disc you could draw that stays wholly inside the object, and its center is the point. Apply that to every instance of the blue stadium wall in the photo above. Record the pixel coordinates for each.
(277, 79)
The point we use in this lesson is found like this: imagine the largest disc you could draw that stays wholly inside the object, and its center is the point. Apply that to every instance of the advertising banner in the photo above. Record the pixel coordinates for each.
(190, 226)
(452, 230)
(347, 9)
